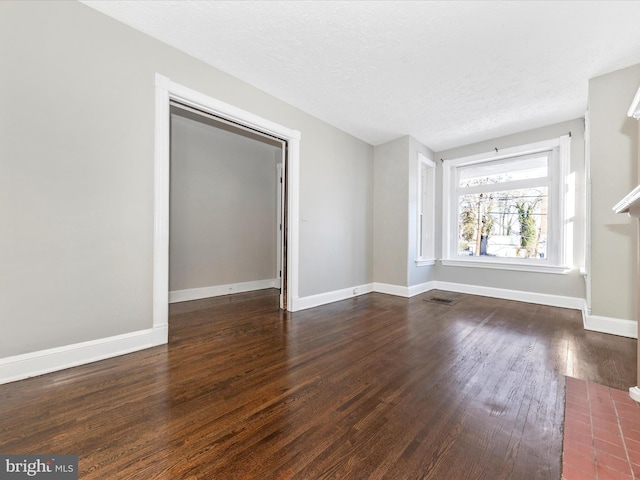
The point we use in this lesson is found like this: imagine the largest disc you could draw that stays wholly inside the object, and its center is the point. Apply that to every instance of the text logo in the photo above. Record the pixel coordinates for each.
(49, 467)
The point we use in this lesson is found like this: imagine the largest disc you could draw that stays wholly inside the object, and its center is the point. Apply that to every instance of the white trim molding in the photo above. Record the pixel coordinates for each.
(168, 91)
(630, 203)
(574, 303)
(425, 211)
(421, 288)
(161, 204)
(425, 263)
(634, 109)
(390, 289)
(613, 326)
(634, 393)
(219, 290)
(319, 299)
(402, 291)
(503, 264)
(19, 367)
(558, 181)
(595, 323)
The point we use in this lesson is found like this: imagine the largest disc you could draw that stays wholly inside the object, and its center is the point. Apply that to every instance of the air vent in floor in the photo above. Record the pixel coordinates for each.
(441, 300)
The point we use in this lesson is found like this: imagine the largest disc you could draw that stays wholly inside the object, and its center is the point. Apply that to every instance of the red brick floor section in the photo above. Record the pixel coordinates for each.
(601, 433)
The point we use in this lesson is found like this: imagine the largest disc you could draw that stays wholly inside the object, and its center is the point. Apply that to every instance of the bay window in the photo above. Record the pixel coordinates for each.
(507, 209)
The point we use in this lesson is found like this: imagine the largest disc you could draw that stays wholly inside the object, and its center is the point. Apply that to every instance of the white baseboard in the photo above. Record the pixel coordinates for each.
(219, 290)
(337, 295)
(614, 326)
(401, 291)
(389, 289)
(19, 367)
(574, 303)
(160, 334)
(311, 301)
(421, 288)
(505, 294)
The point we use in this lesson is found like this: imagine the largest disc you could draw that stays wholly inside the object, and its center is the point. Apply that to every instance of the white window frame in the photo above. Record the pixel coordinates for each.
(558, 251)
(425, 221)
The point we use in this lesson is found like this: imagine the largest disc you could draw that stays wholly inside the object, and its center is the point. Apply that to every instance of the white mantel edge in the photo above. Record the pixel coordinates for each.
(630, 203)
(634, 109)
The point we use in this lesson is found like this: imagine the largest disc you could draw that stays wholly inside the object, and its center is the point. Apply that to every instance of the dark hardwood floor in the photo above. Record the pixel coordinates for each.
(372, 387)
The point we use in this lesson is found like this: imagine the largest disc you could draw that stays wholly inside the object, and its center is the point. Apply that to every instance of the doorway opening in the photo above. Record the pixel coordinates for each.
(226, 207)
(167, 92)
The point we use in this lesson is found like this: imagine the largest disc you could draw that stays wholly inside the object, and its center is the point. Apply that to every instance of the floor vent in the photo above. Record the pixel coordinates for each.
(441, 300)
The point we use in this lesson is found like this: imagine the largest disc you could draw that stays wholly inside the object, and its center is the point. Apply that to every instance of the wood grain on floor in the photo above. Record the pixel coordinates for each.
(368, 388)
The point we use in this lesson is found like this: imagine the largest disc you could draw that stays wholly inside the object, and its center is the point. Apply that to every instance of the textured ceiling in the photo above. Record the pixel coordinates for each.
(447, 73)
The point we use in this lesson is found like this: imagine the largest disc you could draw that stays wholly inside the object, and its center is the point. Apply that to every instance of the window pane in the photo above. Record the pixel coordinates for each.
(505, 223)
(499, 171)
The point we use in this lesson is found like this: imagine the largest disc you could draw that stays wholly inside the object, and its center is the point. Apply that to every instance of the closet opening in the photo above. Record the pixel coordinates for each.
(227, 207)
(184, 98)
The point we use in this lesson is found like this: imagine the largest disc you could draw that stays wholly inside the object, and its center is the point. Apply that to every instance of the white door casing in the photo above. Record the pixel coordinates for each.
(165, 92)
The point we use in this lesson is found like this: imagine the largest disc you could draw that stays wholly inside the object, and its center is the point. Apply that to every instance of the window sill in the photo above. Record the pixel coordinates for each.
(425, 262)
(520, 267)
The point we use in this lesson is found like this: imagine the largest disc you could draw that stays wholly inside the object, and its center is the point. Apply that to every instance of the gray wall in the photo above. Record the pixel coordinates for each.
(395, 213)
(336, 211)
(223, 206)
(76, 155)
(614, 173)
(572, 284)
(390, 206)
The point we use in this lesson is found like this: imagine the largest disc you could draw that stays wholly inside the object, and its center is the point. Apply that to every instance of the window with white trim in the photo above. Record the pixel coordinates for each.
(506, 209)
(425, 254)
